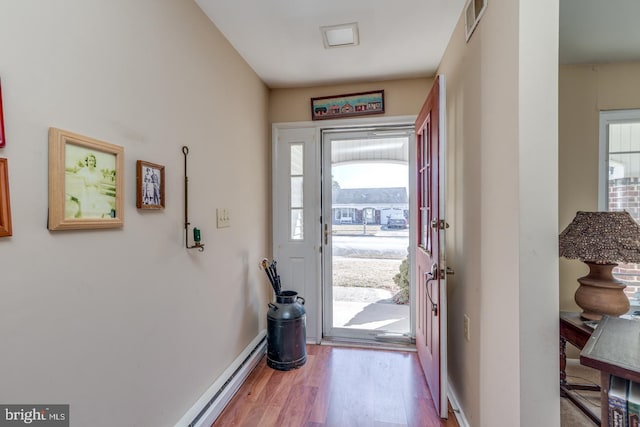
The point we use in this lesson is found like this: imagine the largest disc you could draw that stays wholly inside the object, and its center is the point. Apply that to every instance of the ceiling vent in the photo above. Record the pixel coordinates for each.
(340, 35)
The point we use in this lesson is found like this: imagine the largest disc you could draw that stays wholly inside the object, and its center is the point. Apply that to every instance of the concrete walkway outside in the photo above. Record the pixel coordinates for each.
(368, 308)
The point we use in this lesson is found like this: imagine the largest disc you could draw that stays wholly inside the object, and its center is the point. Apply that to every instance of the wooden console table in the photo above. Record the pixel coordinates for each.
(576, 332)
(613, 349)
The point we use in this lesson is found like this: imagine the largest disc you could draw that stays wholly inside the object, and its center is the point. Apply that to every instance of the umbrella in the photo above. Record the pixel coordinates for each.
(272, 274)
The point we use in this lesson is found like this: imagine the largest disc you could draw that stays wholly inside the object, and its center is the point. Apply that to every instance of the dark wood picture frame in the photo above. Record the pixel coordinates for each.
(86, 182)
(3, 141)
(5, 203)
(149, 185)
(348, 105)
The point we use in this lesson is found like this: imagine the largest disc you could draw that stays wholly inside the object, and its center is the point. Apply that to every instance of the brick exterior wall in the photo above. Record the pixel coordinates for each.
(624, 194)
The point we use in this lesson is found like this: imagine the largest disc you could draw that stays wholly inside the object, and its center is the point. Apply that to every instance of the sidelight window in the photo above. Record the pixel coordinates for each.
(296, 191)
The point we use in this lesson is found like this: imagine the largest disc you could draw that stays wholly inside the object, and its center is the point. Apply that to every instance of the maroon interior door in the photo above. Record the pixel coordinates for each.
(429, 308)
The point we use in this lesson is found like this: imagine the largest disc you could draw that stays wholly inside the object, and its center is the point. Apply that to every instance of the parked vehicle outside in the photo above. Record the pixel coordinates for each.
(397, 220)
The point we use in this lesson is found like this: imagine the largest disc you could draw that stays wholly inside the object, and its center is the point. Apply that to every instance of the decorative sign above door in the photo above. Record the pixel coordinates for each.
(349, 105)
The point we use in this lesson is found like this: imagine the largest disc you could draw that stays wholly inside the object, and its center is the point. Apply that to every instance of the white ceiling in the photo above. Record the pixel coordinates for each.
(281, 39)
(599, 31)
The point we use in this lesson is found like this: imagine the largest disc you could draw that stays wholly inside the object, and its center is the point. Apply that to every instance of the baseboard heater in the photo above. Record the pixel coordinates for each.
(218, 396)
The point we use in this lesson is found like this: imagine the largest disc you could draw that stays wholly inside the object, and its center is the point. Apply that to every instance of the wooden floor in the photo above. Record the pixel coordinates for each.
(337, 387)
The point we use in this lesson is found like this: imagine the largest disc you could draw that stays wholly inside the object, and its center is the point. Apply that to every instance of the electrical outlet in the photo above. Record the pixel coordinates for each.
(223, 217)
(467, 328)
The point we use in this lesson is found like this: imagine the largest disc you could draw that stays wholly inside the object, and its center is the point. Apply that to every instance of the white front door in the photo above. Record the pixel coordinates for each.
(298, 237)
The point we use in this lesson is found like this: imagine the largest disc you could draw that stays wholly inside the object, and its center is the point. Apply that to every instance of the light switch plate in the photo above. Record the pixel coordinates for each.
(223, 217)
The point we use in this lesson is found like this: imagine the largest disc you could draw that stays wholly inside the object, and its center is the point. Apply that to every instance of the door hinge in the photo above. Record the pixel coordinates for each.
(442, 224)
(449, 271)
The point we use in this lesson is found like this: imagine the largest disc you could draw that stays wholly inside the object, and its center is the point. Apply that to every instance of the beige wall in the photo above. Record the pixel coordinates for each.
(503, 237)
(585, 90)
(127, 326)
(401, 97)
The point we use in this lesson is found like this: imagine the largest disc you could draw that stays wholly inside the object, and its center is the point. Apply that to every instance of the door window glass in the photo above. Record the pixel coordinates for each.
(424, 180)
(620, 179)
(296, 191)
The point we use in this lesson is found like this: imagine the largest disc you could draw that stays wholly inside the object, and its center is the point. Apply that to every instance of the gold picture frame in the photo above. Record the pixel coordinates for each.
(86, 182)
(5, 203)
(149, 185)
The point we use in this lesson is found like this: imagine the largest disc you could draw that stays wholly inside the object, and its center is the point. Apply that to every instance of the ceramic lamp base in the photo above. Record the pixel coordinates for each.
(600, 293)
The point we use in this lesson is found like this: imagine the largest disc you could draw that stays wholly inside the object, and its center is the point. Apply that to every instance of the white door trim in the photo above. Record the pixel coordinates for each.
(346, 123)
(442, 170)
(314, 299)
(359, 133)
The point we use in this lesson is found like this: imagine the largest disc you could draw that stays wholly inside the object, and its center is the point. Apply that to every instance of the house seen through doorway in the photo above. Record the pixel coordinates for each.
(367, 276)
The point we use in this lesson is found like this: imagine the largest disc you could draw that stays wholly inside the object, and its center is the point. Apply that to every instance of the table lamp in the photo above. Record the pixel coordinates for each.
(601, 240)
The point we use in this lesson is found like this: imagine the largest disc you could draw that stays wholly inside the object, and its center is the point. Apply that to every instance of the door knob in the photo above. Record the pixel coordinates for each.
(429, 277)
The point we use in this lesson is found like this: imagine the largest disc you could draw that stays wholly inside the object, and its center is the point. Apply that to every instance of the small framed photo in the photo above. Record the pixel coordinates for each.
(349, 105)
(5, 204)
(150, 185)
(86, 182)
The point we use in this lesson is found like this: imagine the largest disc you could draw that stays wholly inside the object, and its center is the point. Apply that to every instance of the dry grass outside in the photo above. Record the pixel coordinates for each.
(355, 229)
(366, 272)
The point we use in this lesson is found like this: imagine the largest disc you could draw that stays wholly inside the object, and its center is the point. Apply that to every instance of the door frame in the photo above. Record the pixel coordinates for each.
(315, 299)
(326, 262)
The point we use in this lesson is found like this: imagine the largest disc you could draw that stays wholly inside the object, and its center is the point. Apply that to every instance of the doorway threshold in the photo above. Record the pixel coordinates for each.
(400, 343)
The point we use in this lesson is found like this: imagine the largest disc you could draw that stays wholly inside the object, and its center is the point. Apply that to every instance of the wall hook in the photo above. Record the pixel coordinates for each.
(196, 231)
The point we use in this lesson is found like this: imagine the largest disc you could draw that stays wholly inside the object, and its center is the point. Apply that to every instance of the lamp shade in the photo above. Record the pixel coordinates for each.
(602, 238)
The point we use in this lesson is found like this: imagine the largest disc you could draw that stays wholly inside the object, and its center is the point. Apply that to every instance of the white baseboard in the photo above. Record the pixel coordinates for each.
(455, 405)
(210, 405)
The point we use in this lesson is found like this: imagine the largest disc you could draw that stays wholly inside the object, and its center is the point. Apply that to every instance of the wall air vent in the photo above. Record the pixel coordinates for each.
(473, 11)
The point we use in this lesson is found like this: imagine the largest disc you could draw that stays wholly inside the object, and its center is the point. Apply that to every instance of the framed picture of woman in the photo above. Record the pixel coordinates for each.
(85, 182)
